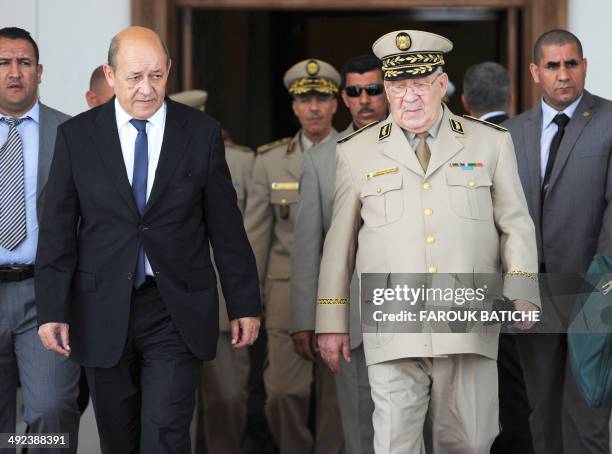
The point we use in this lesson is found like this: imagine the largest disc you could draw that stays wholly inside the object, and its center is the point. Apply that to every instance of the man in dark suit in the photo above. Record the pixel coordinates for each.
(564, 153)
(145, 180)
(487, 92)
(27, 133)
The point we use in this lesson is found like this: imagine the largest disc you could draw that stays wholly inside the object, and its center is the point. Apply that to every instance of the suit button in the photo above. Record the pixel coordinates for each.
(143, 228)
(430, 239)
(129, 276)
(427, 185)
(428, 211)
(433, 269)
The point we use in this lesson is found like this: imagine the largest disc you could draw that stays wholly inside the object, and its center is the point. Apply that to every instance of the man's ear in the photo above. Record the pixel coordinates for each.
(109, 74)
(535, 72)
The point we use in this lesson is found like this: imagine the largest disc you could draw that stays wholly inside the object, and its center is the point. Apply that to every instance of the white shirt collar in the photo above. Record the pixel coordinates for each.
(548, 112)
(33, 113)
(492, 114)
(157, 119)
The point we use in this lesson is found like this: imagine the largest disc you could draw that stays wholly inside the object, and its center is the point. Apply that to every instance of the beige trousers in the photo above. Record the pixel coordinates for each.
(442, 405)
(221, 400)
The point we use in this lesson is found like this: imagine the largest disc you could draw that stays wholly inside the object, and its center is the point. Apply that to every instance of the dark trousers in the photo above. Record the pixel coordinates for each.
(515, 434)
(144, 403)
(560, 420)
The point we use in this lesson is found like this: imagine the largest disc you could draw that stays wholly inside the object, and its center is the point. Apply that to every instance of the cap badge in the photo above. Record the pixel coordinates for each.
(402, 41)
(312, 68)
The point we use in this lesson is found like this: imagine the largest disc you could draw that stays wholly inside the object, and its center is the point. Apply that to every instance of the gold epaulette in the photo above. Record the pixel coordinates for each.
(484, 122)
(271, 145)
(353, 134)
(239, 147)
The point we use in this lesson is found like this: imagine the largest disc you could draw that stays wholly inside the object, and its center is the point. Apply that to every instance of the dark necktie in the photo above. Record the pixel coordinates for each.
(12, 188)
(139, 187)
(561, 120)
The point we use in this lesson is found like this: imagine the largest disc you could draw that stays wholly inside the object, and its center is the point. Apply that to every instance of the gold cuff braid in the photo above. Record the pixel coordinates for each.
(518, 273)
(332, 301)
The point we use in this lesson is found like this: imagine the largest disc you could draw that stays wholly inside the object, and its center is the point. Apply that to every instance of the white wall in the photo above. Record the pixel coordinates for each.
(73, 38)
(588, 20)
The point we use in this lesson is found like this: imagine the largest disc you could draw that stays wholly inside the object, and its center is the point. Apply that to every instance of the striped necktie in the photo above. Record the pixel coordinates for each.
(12, 188)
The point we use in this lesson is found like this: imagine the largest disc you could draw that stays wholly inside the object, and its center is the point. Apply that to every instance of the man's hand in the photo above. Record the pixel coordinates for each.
(244, 331)
(525, 307)
(49, 333)
(304, 344)
(330, 346)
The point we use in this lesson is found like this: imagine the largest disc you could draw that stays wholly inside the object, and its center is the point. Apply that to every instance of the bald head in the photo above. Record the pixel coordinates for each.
(137, 69)
(133, 33)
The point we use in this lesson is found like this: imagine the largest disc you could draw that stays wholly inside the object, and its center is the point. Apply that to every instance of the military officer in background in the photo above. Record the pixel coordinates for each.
(363, 94)
(270, 219)
(402, 206)
(221, 401)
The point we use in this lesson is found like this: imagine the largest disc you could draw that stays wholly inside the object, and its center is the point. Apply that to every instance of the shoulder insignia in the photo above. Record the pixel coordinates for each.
(456, 126)
(385, 131)
(271, 145)
(290, 147)
(354, 133)
(484, 122)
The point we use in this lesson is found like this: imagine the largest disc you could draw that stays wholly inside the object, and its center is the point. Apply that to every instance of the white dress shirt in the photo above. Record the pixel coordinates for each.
(127, 136)
(549, 129)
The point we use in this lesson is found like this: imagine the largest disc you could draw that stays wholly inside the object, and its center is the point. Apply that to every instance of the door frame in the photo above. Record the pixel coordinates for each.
(163, 16)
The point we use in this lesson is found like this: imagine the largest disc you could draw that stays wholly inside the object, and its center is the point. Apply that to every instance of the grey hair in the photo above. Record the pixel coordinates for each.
(487, 87)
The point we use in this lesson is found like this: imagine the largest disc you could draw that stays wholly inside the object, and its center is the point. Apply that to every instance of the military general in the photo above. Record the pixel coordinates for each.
(425, 191)
(270, 219)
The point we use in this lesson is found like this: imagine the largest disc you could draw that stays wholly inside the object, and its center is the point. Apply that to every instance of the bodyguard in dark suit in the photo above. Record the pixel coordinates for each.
(487, 94)
(563, 148)
(27, 133)
(145, 180)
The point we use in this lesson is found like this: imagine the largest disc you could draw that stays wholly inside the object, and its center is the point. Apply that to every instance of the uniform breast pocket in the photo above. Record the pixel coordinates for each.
(382, 200)
(284, 202)
(470, 193)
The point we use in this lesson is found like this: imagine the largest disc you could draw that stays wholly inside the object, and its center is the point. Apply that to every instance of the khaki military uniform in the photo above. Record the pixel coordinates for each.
(270, 217)
(221, 409)
(390, 216)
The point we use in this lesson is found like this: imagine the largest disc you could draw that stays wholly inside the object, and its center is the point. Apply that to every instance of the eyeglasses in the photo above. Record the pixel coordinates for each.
(354, 91)
(419, 89)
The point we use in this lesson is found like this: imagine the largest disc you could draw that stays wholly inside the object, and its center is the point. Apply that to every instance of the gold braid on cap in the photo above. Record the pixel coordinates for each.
(306, 84)
(415, 64)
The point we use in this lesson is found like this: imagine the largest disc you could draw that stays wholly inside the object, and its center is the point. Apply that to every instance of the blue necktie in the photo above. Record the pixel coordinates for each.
(139, 187)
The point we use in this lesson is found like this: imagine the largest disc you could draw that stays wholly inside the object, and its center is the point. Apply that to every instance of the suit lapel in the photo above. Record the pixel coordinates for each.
(173, 146)
(574, 129)
(45, 148)
(533, 134)
(395, 146)
(106, 139)
(447, 144)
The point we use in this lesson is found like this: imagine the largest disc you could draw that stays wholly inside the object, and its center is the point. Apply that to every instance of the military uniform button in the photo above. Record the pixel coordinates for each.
(433, 269)
(471, 183)
(428, 211)
(378, 190)
(430, 239)
(283, 200)
(427, 185)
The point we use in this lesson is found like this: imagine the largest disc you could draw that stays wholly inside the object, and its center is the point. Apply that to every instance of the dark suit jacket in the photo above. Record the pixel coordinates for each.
(85, 277)
(498, 119)
(49, 120)
(576, 217)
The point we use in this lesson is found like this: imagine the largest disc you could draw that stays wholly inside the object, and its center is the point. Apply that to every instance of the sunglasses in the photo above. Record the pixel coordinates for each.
(354, 91)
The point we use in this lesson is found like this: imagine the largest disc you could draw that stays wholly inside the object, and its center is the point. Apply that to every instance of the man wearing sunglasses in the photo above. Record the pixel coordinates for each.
(363, 94)
(420, 193)
(270, 219)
